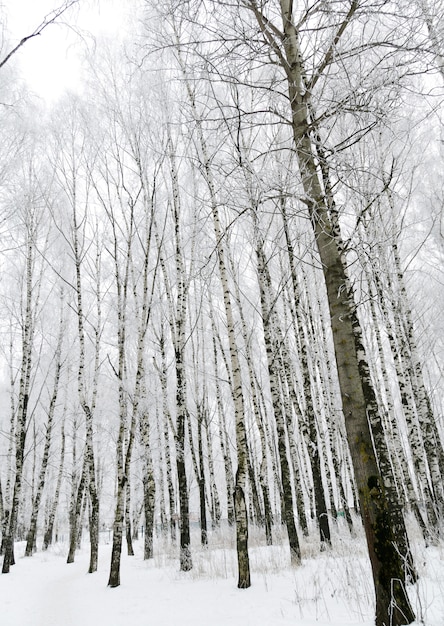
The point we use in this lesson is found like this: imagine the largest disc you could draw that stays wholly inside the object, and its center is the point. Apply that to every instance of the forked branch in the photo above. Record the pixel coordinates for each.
(51, 18)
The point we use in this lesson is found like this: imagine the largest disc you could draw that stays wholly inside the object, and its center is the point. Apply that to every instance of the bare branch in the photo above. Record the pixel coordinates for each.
(330, 52)
(49, 19)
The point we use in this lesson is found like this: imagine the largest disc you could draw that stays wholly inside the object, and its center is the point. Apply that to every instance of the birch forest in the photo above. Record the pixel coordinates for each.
(221, 286)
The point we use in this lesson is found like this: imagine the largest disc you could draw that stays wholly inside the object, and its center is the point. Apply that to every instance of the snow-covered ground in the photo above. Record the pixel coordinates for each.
(333, 587)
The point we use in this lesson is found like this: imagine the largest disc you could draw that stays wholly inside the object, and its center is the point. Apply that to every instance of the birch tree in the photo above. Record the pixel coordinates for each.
(31, 218)
(69, 156)
(28, 329)
(50, 19)
(354, 380)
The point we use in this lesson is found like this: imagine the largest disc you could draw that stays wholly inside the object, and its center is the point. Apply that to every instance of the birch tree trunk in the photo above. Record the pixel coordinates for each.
(86, 406)
(402, 362)
(276, 365)
(75, 509)
(165, 435)
(432, 442)
(215, 500)
(49, 531)
(121, 277)
(28, 329)
(32, 532)
(392, 604)
(223, 435)
(263, 466)
(308, 425)
(178, 314)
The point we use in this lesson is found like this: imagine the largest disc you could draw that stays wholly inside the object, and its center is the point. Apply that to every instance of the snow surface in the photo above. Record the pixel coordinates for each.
(332, 587)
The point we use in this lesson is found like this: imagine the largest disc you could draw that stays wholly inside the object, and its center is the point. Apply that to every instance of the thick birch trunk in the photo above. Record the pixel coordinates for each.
(392, 604)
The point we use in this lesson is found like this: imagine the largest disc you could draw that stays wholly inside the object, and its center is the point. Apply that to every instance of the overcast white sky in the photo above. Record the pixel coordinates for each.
(50, 63)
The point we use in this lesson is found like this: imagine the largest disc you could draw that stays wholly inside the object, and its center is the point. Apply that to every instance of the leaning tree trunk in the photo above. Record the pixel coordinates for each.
(392, 604)
(357, 395)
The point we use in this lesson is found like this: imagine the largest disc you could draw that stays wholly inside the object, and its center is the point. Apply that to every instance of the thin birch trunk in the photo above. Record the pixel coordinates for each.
(128, 529)
(419, 458)
(32, 532)
(86, 406)
(28, 328)
(202, 483)
(178, 330)
(308, 424)
(75, 511)
(48, 536)
(432, 442)
(162, 465)
(166, 421)
(215, 500)
(223, 435)
(275, 365)
(326, 369)
(263, 467)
